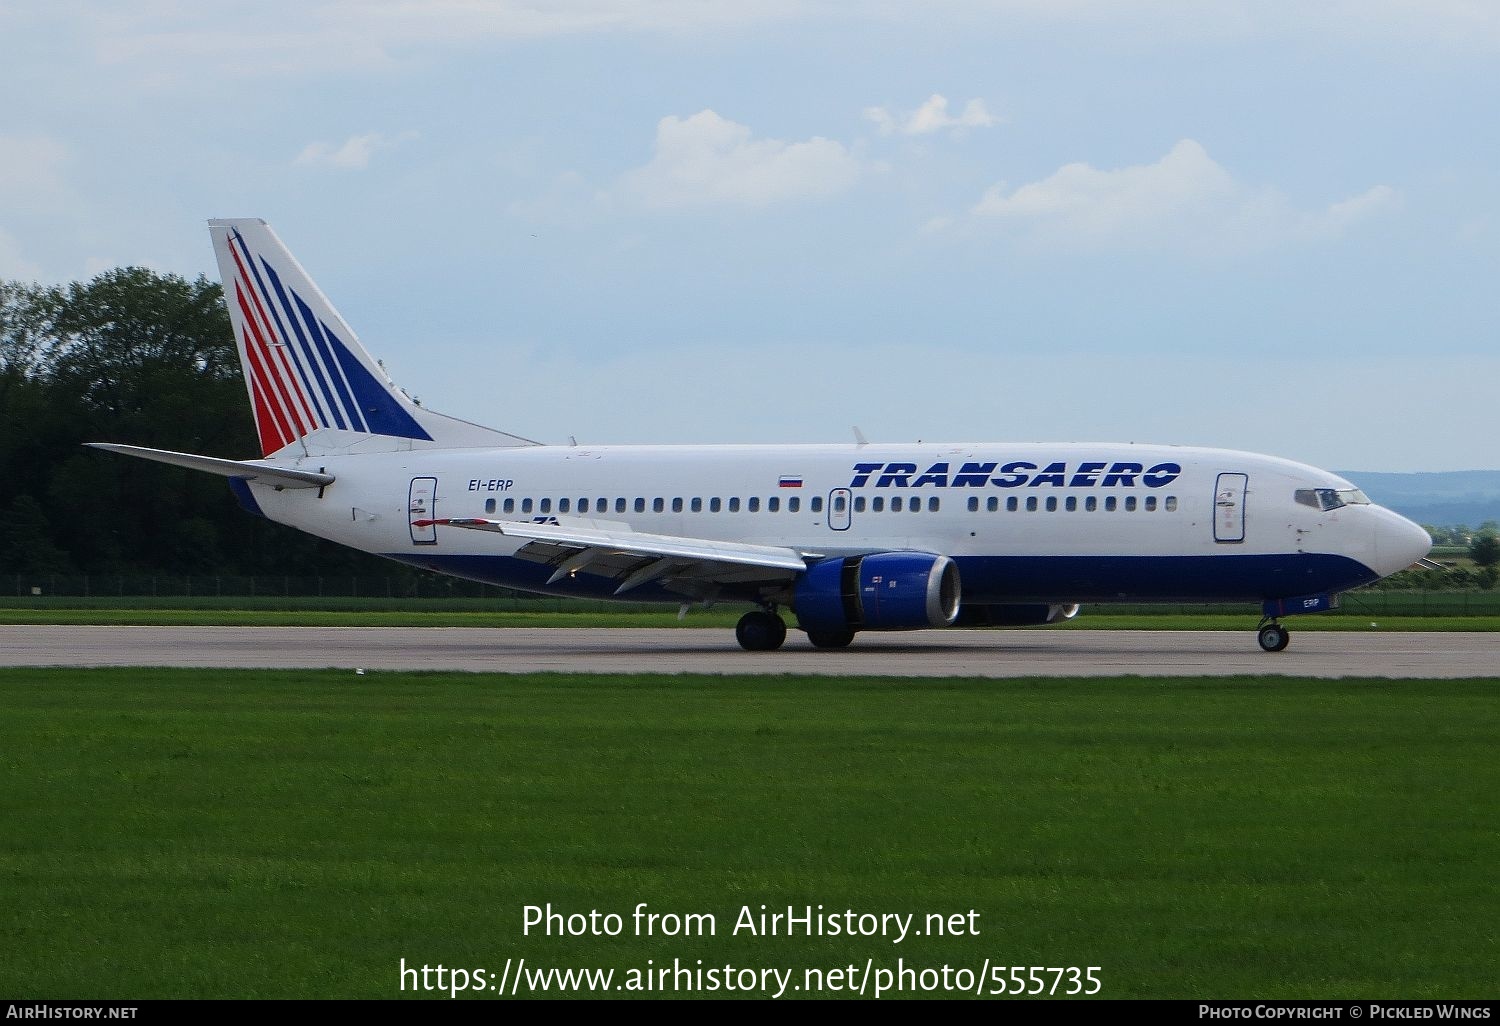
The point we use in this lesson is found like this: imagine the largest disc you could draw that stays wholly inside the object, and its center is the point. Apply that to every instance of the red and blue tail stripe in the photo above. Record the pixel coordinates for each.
(301, 374)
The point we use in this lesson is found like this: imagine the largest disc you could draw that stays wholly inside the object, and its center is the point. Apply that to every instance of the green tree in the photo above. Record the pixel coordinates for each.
(148, 359)
(26, 545)
(141, 353)
(1485, 550)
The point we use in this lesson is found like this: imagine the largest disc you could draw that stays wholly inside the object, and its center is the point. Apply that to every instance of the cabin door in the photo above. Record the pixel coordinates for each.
(1229, 508)
(839, 505)
(421, 504)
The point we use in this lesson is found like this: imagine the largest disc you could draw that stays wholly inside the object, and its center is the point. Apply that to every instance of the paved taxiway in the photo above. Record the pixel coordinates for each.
(688, 650)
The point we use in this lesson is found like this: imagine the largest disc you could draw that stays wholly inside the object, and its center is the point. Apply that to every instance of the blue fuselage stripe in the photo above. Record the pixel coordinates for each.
(997, 579)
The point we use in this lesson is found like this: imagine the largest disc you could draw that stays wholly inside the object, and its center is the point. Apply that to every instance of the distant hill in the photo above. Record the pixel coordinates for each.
(1443, 499)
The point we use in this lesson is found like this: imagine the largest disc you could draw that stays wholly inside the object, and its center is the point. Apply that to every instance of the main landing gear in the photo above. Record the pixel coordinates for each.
(760, 631)
(1273, 637)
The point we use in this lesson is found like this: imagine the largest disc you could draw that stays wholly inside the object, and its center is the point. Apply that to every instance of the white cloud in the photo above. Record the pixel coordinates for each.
(1184, 201)
(932, 117)
(352, 155)
(1340, 216)
(708, 159)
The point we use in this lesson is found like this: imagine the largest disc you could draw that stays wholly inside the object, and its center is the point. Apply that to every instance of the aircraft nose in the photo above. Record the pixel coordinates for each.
(1399, 543)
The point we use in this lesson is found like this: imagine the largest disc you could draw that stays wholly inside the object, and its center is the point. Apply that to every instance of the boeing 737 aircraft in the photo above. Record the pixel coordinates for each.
(845, 538)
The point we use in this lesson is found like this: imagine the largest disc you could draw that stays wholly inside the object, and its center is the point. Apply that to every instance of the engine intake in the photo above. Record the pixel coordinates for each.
(882, 591)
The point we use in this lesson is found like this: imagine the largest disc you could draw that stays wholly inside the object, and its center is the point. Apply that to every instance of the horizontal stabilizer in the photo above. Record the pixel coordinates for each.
(280, 477)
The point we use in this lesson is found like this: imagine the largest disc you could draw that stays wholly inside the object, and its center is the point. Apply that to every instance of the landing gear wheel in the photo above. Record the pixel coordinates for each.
(830, 639)
(1274, 637)
(760, 632)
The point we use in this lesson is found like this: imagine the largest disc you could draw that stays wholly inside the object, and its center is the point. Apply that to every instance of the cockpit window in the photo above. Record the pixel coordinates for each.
(1331, 498)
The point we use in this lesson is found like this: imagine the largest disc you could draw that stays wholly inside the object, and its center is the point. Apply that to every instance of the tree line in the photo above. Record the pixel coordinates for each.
(148, 359)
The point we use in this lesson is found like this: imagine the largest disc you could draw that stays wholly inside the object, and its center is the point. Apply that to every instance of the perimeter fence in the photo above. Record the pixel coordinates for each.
(433, 592)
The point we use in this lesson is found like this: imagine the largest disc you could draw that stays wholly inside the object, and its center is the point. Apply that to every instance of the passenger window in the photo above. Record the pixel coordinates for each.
(973, 504)
(1071, 504)
(1171, 504)
(1150, 504)
(895, 504)
(773, 505)
(714, 505)
(525, 505)
(734, 504)
(753, 505)
(562, 506)
(793, 504)
(1109, 504)
(1031, 503)
(489, 505)
(658, 505)
(1051, 504)
(619, 505)
(993, 504)
(545, 506)
(859, 504)
(817, 504)
(932, 504)
(1012, 504)
(640, 505)
(1130, 504)
(1091, 504)
(697, 506)
(510, 505)
(676, 505)
(877, 504)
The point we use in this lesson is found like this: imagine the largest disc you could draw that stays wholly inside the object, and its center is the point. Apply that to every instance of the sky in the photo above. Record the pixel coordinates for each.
(1270, 225)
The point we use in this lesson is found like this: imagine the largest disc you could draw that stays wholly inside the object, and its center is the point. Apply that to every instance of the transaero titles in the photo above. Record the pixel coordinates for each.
(1016, 474)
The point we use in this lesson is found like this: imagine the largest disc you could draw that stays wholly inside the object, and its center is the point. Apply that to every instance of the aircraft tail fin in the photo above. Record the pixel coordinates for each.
(311, 383)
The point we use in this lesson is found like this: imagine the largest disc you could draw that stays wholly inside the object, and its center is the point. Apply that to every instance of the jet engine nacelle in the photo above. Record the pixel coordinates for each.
(1030, 614)
(882, 591)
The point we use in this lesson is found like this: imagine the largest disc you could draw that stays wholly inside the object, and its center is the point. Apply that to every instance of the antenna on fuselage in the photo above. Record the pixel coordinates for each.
(859, 437)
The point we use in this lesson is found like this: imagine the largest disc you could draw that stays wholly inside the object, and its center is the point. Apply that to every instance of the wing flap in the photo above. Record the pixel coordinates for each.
(697, 567)
(575, 540)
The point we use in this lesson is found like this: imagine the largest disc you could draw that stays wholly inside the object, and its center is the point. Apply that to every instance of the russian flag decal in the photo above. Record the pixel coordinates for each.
(791, 482)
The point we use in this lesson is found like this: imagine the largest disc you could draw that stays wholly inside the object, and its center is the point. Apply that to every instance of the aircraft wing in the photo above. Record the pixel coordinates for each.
(693, 566)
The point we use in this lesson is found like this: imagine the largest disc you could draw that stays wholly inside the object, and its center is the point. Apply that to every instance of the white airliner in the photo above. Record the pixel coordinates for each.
(845, 538)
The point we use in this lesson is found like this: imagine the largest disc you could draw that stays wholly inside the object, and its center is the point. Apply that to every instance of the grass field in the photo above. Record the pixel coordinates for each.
(296, 834)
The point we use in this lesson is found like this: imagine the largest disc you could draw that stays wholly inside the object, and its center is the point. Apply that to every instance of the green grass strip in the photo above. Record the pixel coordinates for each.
(202, 834)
